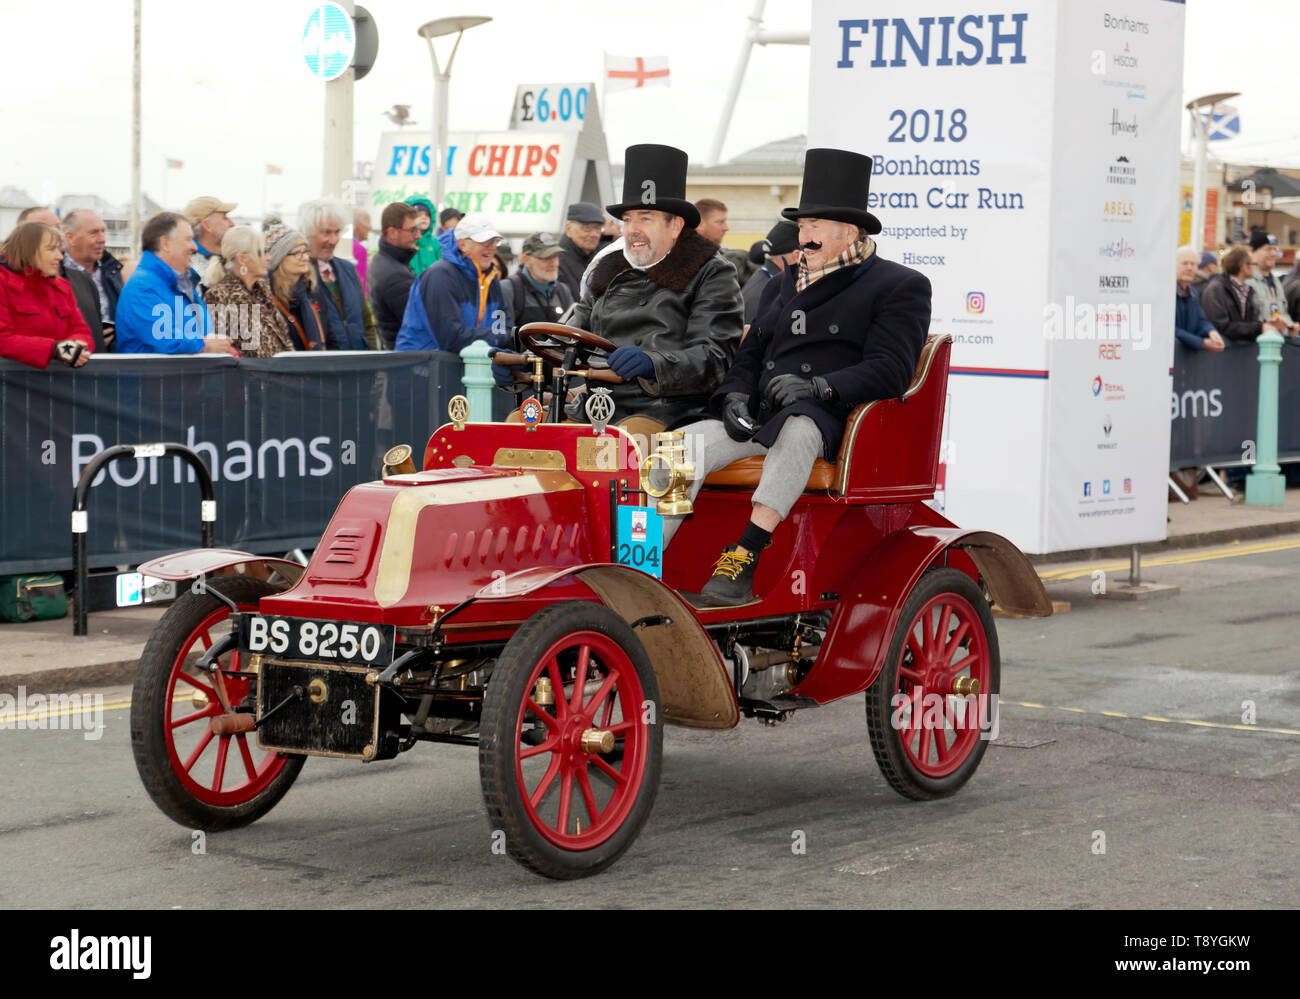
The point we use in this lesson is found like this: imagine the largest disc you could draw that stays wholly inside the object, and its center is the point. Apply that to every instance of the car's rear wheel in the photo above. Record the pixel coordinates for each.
(202, 780)
(929, 710)
(570, 742)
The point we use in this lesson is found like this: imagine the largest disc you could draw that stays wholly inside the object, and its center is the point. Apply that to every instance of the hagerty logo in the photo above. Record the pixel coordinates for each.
(101, 953)
(1112, 282)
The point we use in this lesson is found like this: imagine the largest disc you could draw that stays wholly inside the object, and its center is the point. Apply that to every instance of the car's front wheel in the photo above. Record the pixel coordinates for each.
(570, 741)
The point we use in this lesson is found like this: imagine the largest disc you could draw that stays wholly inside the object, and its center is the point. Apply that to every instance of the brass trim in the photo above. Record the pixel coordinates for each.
(317, 690)
(598, 454)
(928, 353)
(393, 576)
(965, 685)
(462, 461)
(397, 460)
(544, 692)
(520, 457)
(458, 411)
(596, 740)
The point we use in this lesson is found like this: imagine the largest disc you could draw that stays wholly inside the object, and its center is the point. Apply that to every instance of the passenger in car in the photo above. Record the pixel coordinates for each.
(840, 328)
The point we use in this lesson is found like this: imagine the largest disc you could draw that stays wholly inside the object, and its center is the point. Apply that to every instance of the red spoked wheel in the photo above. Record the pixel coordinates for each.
(199, 779)
(930, 710)
(570, 743)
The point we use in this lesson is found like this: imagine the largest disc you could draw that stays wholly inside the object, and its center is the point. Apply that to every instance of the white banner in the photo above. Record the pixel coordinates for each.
(973, 119)
(519, 180)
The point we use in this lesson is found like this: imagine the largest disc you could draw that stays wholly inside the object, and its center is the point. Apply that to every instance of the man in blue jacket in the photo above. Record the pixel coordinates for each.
(459, 300)
(351, 325)
(160, 310)
(1191, 326)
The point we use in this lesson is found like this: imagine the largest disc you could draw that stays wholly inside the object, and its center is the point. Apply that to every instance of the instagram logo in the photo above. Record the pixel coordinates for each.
(975, 301)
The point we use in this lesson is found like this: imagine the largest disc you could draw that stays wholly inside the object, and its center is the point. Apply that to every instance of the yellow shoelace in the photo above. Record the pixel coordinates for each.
(732, 564)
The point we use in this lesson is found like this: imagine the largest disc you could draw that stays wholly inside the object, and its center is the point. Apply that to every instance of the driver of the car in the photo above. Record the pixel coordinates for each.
(840, 328)
(670, 301)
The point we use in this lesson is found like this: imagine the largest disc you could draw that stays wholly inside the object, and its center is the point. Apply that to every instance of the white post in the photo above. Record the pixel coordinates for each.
(438, 161)
(337, 167)
(133, 214)
(1198, 186)
(733, 91)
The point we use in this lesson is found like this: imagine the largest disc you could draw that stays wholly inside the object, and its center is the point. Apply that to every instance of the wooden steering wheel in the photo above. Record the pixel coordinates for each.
(549, 340)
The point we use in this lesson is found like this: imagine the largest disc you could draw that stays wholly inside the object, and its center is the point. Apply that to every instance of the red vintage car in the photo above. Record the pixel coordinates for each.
(490, 599)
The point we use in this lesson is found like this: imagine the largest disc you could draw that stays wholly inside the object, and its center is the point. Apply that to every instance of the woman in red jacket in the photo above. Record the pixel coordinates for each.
(39, 318)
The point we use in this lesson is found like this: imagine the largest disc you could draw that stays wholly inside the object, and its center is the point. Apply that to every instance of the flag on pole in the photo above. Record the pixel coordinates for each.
(629, 72)
(1224, 123)
(274, 170)
(174, 164)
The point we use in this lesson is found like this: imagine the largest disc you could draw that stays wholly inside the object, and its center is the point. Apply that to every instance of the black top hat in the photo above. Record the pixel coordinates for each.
(654, 179)
(836, 183)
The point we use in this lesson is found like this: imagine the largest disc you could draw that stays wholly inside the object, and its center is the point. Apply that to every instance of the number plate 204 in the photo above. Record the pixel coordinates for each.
(306, 638)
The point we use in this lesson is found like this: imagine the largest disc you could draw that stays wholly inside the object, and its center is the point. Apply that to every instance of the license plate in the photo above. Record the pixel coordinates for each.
(337, 714)
(306, 638)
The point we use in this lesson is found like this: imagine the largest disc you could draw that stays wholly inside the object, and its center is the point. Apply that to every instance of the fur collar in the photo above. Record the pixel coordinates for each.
(691, 252)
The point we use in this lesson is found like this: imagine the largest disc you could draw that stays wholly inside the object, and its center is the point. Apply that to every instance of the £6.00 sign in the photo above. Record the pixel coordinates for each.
(555, 105)
(328, 41)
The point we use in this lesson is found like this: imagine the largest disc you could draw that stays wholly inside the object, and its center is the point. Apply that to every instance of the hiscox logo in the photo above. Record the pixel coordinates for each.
(1126, 59)
(975, 301)
(1121, 127)
(1121, 172)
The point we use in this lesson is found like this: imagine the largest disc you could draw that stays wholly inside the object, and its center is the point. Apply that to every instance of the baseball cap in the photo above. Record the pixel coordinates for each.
(476, 227)
(449, 215)
(543, 245)
(585, 212)
(782, 238)
(200, 208)
(1260, 238)
(1208, 257)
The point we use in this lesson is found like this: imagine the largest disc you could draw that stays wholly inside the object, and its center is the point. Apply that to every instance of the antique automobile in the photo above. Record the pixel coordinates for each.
(510, 594)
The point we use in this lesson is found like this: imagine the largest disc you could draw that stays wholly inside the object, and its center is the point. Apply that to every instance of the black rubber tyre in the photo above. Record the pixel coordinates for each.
(183, 794)
(909, 757)
(520, 775)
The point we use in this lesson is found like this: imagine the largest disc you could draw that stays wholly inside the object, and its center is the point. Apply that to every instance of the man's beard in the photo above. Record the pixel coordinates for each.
(639, 257)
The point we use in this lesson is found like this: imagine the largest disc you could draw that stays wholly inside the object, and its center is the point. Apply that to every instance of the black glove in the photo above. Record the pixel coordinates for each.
(735, 417)
(784, 390)
(68, 351)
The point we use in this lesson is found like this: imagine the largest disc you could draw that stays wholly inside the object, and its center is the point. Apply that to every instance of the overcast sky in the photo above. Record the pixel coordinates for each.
(226, 90)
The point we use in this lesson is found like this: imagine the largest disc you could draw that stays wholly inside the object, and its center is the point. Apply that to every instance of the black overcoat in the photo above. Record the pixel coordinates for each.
(863, 331)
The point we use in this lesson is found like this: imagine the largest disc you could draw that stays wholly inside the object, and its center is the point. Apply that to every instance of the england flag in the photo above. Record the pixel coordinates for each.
(630, 72)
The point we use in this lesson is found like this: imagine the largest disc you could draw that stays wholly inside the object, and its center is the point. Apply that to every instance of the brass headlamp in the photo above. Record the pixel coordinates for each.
(666, 475)
(398, 460)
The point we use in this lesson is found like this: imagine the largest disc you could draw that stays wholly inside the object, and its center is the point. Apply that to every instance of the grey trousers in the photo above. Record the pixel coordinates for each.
(785, 470)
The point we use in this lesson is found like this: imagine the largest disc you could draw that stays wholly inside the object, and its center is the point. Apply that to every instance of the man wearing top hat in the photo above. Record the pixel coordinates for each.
(838, 328)
(668, 299)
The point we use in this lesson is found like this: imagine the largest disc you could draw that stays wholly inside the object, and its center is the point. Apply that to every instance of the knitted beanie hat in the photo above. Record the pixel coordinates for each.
(281, 241)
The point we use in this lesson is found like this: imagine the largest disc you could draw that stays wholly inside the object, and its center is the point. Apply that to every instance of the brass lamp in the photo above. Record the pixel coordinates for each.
(666, 475)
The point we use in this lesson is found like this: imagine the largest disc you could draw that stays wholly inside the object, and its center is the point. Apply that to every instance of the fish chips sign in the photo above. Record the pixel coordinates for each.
(520, 180)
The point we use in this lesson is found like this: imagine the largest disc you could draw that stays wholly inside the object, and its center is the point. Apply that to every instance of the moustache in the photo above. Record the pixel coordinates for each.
(810, 246)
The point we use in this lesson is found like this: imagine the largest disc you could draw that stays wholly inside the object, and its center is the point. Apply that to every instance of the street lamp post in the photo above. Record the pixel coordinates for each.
(1202, 127)
(441, 84)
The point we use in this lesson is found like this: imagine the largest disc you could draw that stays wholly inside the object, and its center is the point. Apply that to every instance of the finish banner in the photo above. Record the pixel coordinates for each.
(1023, 161)
(283, 437)
(1214, 407)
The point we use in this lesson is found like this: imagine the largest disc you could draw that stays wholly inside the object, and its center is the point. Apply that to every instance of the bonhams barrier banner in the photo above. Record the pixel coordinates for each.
(283, 437)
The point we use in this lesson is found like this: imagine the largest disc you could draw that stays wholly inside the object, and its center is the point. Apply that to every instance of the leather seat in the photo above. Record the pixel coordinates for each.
(826, 475)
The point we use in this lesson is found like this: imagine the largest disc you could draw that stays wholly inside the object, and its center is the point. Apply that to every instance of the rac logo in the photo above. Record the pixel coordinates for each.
(1108, 351)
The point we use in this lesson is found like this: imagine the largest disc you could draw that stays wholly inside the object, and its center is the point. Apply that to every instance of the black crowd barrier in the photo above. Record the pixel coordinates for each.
(283, 438)
(1214, 409)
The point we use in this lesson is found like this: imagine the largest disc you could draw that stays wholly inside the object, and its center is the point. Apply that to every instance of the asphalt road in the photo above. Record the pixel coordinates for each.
(1192, 816)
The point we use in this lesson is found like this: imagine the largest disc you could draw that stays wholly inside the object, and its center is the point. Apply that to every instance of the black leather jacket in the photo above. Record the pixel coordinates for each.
(685, 312)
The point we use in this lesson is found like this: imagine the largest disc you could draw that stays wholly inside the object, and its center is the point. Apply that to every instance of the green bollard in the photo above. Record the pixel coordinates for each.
(1266, 485)
(479, 384)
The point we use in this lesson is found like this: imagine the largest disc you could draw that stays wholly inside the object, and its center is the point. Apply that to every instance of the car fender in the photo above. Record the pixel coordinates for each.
(694, 684)
(863, 626)
(198, 562)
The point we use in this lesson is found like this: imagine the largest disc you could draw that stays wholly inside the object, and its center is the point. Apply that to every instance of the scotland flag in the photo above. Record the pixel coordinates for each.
(1224, 123)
